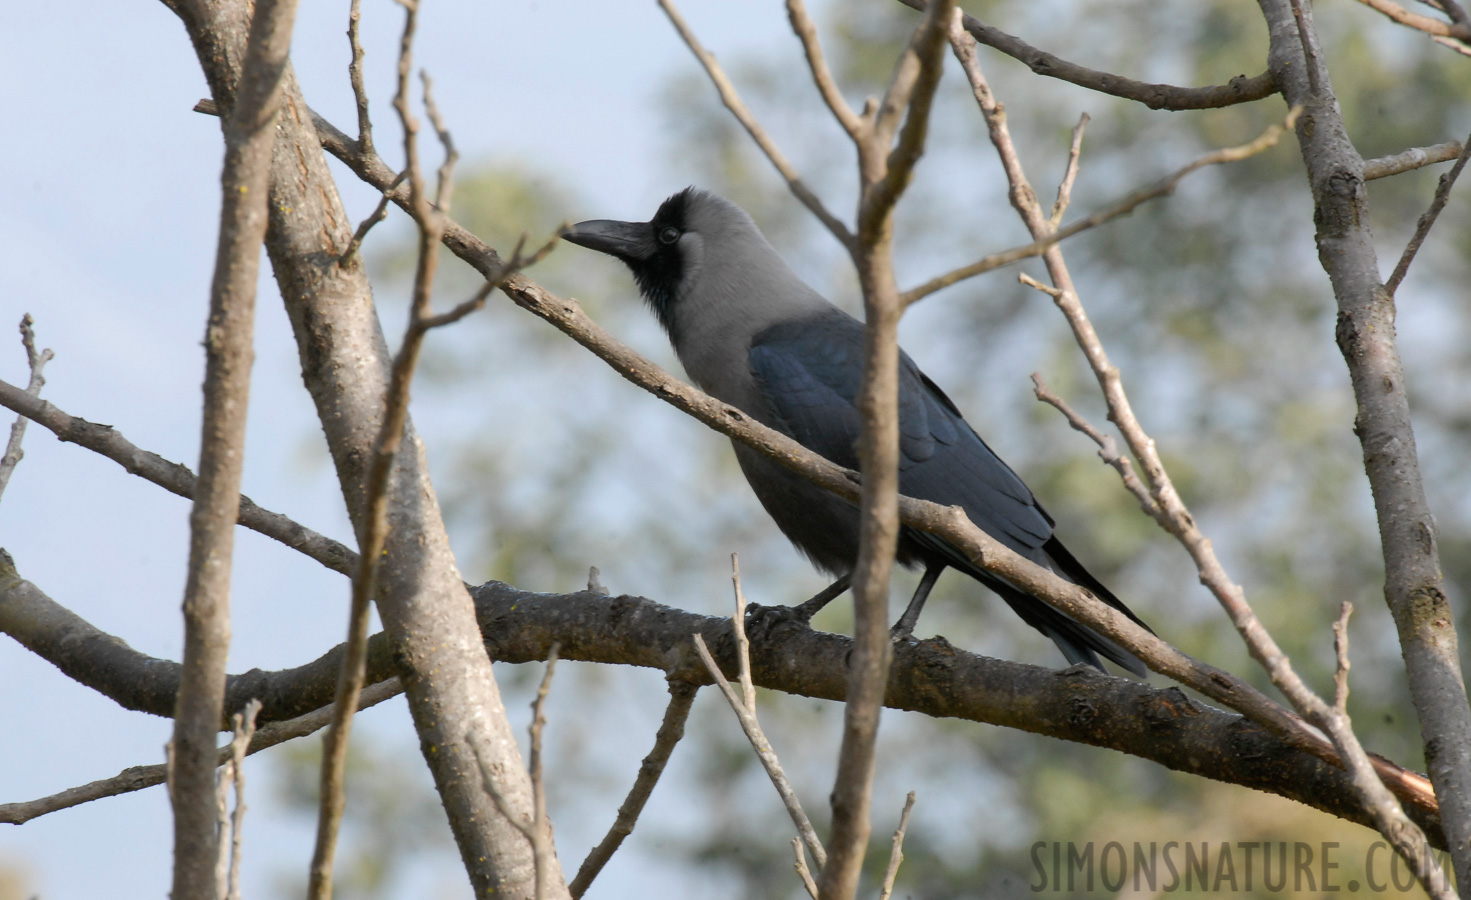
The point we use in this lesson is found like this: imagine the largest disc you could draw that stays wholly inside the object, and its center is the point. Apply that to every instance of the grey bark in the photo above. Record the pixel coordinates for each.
(426, 611)
(1366, 336)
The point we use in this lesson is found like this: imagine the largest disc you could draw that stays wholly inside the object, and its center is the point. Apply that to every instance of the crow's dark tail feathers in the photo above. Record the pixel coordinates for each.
(1078, 642)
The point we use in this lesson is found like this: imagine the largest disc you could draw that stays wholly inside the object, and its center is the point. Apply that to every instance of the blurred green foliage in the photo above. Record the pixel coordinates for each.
(1211, 302)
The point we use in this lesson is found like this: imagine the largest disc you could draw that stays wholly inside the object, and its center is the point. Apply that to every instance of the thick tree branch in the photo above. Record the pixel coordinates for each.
(451, 689)
(1366, 337)
(249, 127)
(1240, 89)
(931, 677)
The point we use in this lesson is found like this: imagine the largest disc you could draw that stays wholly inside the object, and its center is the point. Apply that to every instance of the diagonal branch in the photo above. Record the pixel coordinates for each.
(733, 102)
(806, 32)
(671, 730)
(1427, 220)
(1458, 30)
(173, 477)
(1127, 204)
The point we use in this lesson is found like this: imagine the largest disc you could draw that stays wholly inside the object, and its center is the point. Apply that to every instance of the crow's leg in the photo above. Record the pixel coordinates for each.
(822, 598)
(905, 626)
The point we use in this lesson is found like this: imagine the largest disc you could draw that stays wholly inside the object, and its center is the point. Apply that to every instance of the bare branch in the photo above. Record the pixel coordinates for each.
(733, 102)
(390, 438)
(931, 677)
(136, 778)
(1161, 188)
(379, 213)
(671, 730)
(1069, 174)
(1458, 31)
(445, 185)
(36, 362)
(355, 77)
(541, 841)
(1414, 584)
(832, 95)
(1423, 226)
(448, 678)
(1155, 96)
(249, 132)
(885, 167)
(173, 477)
(1340, 648)
(1309, 52)
(1108, 449)
(896, 853)
(752, 728)
(1410, 159)
(801, 866)
(244, 732)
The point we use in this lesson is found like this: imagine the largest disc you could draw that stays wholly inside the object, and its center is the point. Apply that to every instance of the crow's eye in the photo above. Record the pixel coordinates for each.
(669, 234)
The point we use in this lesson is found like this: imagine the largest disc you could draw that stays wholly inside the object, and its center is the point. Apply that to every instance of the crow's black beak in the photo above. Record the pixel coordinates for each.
(628, 241)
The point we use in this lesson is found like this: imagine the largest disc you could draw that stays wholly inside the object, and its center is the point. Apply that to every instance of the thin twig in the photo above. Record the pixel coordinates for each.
(752, 728)
(379, 213)
(1411, 159)
(1241, 89)
(1161, 188)
(1422, 227)
(1458, 31)
(477, 300)
(244, 732)
(1340, 650)
(445, 186)
(800, 864)
(733, 102)
(36, 362)
(671, 730)
(136, 778)
(541, 844)
(1069, 173)
(806, 32)
(1108, 449)
(896, 853)
(887, 155)
(1309, 52)
(538, 830)
(743, 645)
(355, 76)
(173, 477)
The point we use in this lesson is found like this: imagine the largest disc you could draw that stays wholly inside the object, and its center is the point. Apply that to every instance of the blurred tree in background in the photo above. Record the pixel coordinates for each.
(1212, 304)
